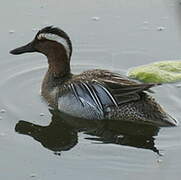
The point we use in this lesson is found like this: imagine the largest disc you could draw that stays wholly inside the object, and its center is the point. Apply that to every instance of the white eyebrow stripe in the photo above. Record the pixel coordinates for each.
(58, 39)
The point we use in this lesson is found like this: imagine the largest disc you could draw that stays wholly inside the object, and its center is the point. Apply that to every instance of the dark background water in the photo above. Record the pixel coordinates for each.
(114, 35)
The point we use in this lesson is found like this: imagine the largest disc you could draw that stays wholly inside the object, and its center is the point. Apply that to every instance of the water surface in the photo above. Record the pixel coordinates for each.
(123, 34)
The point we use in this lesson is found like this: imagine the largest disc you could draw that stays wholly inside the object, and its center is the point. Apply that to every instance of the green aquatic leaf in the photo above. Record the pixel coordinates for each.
(158, 72)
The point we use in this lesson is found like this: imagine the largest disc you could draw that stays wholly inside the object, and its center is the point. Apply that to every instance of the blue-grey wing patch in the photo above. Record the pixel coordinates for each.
(104, 95)
(94, 93)
(86, 100)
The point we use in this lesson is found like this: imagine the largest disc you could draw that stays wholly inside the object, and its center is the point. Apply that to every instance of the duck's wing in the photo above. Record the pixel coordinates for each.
(92, 94)
(104, 91)
(124, 93)
(112, 77)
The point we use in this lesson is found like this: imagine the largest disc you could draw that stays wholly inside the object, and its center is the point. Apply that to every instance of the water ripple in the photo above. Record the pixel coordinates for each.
(20, 89)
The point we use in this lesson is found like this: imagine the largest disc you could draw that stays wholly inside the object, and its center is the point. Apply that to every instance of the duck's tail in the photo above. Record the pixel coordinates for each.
(169, 121)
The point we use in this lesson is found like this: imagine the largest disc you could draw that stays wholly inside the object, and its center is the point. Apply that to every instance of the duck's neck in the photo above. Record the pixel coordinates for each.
(58, 72)
(59, 65)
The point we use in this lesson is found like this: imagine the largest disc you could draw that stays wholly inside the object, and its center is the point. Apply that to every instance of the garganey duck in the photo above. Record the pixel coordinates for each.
(93, 94)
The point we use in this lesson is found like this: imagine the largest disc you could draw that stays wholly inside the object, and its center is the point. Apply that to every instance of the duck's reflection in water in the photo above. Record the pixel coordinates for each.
(62, 133)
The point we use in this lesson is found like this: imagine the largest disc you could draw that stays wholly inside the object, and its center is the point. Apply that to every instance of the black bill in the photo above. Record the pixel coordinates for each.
(24, 49)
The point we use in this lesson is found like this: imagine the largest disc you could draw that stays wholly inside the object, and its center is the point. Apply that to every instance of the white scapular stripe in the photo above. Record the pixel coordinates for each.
(54, 37)
(109, 94)
(93, 96)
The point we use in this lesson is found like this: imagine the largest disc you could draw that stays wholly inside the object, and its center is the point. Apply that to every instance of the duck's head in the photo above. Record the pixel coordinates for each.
(47, 40)
(53, 43)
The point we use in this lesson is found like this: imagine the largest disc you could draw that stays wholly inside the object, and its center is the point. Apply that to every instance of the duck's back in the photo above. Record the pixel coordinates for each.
(100, 94)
